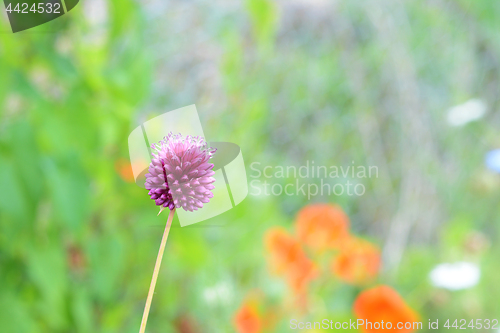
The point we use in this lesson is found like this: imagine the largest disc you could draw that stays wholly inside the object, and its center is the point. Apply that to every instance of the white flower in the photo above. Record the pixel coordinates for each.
(96, 12)
(462, 114)
(97, 17)
(456, 276)
(493, 160)
(220, 293)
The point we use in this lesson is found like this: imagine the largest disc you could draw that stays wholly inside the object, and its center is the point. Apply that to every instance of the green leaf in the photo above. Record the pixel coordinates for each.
(15, 317)
(12, 196)
(264, 19)
(69, 191)
(47, 270)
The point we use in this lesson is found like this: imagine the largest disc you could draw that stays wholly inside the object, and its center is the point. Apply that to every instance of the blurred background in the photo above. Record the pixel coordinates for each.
(410, 87)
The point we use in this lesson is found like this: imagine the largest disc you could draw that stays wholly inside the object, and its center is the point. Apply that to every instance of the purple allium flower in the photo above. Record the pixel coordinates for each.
(179, 173)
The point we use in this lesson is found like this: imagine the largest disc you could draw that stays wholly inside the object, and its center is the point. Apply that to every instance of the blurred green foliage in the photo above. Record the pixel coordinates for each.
(289, 82)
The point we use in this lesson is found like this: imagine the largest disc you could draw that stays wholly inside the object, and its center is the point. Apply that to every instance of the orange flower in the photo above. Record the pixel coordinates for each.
(247, 319)
(124, 169)
(358, 262)
(288, 258)
(284, 250)
(384, 303)
(322, 226)
(300, 275)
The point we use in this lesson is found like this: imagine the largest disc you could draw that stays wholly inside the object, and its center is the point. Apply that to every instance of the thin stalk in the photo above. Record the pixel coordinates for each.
(156, 271)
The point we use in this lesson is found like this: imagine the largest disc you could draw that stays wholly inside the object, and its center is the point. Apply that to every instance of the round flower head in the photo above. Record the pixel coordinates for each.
(179, 173)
